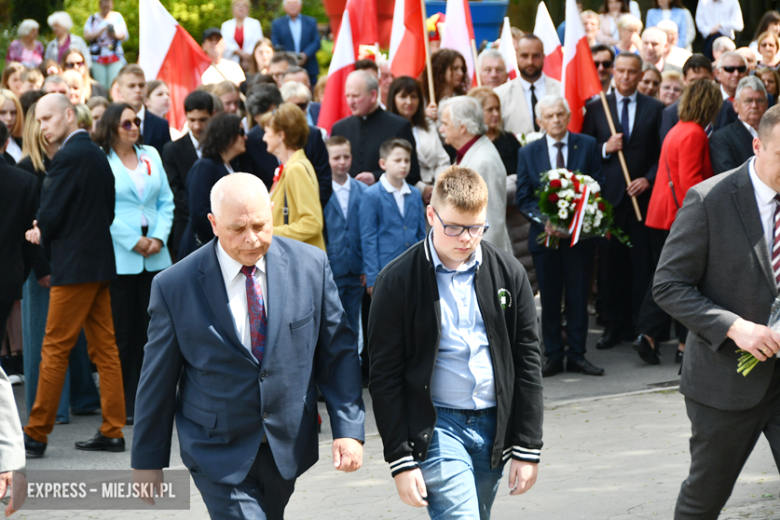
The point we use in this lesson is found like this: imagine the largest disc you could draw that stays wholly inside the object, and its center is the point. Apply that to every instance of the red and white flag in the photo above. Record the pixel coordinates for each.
(167, 52)
(458, 33)
(507, 49)
(544, 29)
(345, 51)
(580, 80)
(364, 25)
(407, 40)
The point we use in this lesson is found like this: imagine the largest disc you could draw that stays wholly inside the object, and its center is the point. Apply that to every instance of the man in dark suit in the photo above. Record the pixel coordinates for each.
(73, 226)
(246, 409)
(178, 157)
(565, 266)
(298, 33)
(262, 99)
(726, 226)
(627, 271)
(132, 86)
(299, 75)
(732, 145)
(696, 67)
(369, 126)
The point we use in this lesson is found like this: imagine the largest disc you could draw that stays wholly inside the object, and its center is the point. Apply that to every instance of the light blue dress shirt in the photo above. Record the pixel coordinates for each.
(463, 373)
(296, 26)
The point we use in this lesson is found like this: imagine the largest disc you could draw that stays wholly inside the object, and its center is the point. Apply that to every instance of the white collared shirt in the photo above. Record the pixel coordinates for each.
(12, 149)
(753, 131)
(727, 13)
(553, 150)
(141, 115)
(398, 195)
(765, 199)
(196, 144)
(724, 93)
(235, 286)
(539, 92)
(342, 194)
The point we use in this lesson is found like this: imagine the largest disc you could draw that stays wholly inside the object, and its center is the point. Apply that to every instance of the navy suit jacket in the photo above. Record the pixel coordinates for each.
(533, 159)
(310, 41)
(156, 131)
(201, 178)
(343, 240)
(196, 369)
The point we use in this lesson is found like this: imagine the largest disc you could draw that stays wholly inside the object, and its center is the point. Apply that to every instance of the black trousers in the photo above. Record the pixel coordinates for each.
(129, 306)
(569, 268)
(628, 270)
(5, 311)
(721, 443)
(708, 41)
(262, 495)
(653, 321)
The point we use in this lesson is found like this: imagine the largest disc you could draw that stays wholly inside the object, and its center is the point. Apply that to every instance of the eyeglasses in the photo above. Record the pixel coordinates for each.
(730, 69)
(241, 132)
(73, 64)
(128, 125)
(606, 64)
(302, 106)
(456, 231)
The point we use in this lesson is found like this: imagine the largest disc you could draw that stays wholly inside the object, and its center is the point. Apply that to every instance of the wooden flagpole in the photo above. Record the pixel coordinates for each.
(431, 93)
(622, 157)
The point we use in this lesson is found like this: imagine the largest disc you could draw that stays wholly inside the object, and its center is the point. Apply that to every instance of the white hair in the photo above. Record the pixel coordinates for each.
(628, 21)
(466, 112)
(668, 26)
(723, 44)
(295, 89)
(237, 187)
(60, 18)
(731, 54)
(489, 53)
(752, 82)
(371, 82)
(550, 100)
(288, 1)
(26, 27)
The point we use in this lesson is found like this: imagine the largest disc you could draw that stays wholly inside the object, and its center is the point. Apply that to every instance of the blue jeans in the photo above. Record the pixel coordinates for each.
(84, 396)
(457, 473)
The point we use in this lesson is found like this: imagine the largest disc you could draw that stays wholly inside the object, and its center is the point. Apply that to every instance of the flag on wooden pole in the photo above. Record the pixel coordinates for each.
(407, 40)
(580, 80)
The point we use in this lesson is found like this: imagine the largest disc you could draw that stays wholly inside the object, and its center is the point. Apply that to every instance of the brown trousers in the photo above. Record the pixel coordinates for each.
(71, 308)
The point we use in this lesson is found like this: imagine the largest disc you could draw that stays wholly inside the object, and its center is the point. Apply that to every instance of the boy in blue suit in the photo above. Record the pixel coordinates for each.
(342, 219)
(393, 217)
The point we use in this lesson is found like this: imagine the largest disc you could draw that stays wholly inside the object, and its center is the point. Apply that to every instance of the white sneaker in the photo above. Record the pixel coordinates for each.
(15, 379)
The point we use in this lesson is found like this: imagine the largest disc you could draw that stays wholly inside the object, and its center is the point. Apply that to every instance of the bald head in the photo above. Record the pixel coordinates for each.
(362, 91)
(57, 117)
(241, 217)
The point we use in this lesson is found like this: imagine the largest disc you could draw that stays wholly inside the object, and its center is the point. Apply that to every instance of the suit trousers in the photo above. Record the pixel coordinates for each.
(721, 443)
(566, 268)
(130, 295)
(71, 308)
(5, 312)
(653, 321)
(262, 495)
(628, 270)
(351, 296)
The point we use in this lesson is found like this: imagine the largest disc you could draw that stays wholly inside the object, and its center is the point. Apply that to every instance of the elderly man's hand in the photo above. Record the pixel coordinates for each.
(366, 178)
(347, 454)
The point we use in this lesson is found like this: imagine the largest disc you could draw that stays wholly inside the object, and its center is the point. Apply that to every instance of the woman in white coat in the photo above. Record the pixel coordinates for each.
(405, 99)
(241, 33)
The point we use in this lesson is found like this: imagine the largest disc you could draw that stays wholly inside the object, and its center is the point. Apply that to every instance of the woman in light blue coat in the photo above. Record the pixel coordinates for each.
(669, 10)
(142, 221)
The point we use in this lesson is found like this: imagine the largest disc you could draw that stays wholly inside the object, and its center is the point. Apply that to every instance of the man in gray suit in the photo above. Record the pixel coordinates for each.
(247, 327)
(727, 224)
(11, 442)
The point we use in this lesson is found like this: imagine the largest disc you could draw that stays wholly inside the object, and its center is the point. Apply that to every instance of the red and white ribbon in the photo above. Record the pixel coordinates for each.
(579, 215)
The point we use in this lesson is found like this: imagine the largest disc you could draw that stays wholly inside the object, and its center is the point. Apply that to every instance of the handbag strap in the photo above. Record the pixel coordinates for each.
(669, 176)
(285, 210)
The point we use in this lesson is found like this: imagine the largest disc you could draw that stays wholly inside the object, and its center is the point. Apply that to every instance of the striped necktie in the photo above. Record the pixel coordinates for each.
(776, 242)
(256, 308)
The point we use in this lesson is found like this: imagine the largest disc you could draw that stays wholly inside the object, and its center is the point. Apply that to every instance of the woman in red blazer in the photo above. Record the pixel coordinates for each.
(684, 162)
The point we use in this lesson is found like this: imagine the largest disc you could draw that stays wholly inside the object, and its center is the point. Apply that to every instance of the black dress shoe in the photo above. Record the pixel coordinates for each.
(583, 366)
(101, 443)
(646, 351)
(33, 448)
(552, 368)
(610, 339)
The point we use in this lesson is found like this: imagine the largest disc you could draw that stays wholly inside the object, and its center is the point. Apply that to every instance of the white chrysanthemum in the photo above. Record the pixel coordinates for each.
(566, 194)
(553, 176)
(586, 227)
(599, 214)
(563, 214)
(564, 183)
(562, 204)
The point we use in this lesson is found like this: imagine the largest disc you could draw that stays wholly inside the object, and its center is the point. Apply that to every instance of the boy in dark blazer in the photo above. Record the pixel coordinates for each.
(455, 357)
(343, 238)
(392, 214)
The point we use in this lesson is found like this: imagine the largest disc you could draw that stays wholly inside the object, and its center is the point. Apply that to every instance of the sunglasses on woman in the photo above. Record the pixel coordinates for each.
(73, 64)
(128, 125)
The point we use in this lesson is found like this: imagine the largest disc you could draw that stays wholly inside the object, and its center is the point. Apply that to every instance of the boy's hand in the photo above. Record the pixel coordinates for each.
(411, 488)
(366, 178)
(522, 476)
(363, 280)
(370, 291)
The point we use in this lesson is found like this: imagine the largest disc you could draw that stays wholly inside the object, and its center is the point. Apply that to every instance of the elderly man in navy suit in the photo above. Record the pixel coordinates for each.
(565, 266)
(298, 33)
(247, 327)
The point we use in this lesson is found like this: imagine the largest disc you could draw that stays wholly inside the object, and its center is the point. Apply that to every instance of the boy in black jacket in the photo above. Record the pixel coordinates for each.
(455, 361)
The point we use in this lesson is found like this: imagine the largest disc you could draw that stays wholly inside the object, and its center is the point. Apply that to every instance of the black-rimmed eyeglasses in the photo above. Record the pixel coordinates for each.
(456, 231)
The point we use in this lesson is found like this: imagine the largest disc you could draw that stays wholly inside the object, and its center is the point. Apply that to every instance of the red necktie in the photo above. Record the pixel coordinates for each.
(256, 306)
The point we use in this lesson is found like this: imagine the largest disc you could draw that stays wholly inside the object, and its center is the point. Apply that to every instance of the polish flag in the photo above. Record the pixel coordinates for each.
(364, 25)
(580, 80)
(544, 29)
(458, 33)
(334, 100)
(167, 52)
(407, 40)
(507, 49)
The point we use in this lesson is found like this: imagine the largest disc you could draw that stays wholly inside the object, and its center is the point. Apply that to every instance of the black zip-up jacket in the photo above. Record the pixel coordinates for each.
(403, 336)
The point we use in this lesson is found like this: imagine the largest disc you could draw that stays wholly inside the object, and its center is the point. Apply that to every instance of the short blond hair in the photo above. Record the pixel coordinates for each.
(462, 188)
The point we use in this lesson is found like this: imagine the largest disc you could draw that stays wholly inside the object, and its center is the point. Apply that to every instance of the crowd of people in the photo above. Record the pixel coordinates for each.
(107, 197)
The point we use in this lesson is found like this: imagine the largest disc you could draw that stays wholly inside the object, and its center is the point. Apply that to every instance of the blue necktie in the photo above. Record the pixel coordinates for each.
(625, 122)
